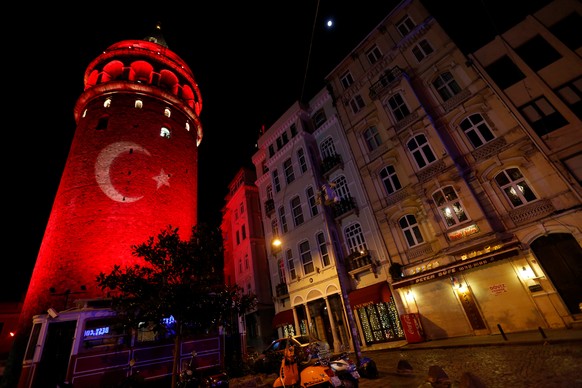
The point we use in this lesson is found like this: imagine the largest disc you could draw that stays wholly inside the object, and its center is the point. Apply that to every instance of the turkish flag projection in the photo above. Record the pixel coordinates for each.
(131, 172)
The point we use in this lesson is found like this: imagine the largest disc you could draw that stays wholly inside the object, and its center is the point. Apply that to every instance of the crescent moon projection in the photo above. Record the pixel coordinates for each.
(103, 166)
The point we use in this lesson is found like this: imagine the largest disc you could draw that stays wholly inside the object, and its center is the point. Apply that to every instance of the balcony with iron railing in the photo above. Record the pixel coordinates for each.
(343, 207)
(360, 261)
(330, 163)
(269, 206)
(281, 290)
(386, 82)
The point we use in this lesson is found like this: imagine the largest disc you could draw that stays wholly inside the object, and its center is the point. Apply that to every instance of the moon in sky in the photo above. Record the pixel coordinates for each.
(103, 166)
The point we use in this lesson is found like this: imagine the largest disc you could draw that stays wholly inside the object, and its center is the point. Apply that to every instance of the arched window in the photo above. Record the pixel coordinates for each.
(327, 148)
(446, 86)
(411, 231)
(421, 150)
(477, 130)
(450, 206)
(390, 179)
(355, 238)
(372, 137)
(516, 189)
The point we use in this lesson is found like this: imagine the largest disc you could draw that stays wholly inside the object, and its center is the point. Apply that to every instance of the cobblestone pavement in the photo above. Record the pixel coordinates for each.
(549, 365)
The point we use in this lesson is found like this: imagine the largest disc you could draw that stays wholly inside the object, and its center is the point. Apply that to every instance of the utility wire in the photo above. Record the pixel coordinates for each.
(309, 52)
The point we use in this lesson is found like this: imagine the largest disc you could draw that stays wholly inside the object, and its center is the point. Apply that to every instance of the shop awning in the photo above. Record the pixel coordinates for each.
(283, 318)
(376, 293)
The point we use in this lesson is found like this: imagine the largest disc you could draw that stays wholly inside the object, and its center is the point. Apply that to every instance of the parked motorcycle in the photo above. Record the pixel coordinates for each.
(312, 373)
(190, 377)
(346, 370)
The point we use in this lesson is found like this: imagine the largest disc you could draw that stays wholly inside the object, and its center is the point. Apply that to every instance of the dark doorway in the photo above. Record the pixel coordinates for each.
(561, 257)
(56, 352)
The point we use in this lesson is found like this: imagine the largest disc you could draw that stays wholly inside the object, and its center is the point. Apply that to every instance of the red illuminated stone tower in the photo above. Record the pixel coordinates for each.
(131, 171)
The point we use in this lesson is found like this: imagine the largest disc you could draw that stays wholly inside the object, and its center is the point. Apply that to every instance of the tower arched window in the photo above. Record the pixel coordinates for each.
(165, 132)
(167, 112)
(107, 103)
(138, 104)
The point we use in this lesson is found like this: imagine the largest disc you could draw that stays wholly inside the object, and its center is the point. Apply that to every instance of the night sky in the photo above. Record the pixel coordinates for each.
(249, 59)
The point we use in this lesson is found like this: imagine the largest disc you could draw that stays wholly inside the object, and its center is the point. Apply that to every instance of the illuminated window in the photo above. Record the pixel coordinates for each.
(167, 112)
(515, 187)
(411, 231)
(449, 206)
(165, 132)
(187, 126)
(138, 104)
(107, 103)
(85, 113)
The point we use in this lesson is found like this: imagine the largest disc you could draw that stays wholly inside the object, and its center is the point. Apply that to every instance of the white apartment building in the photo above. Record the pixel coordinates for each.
(314, 203)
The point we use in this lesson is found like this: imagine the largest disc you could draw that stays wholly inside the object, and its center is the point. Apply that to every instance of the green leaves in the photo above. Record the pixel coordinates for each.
(183, 279)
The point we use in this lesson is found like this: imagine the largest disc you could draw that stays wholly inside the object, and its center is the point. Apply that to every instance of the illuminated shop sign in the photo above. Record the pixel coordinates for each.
(455, 268)
(462, 233)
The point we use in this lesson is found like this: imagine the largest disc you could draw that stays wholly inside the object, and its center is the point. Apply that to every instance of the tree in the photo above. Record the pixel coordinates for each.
(179, 279)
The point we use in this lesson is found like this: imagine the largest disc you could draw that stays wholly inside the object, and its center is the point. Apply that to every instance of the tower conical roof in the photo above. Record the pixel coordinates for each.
(156, 36)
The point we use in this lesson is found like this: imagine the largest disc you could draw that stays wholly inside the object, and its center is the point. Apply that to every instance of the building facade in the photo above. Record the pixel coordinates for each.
(471, 166)
(245, 257)
(313, 202)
